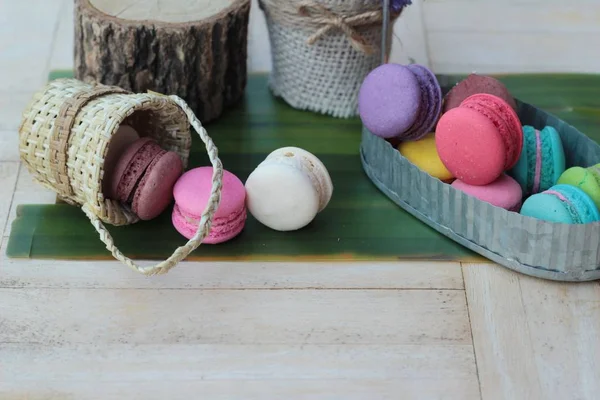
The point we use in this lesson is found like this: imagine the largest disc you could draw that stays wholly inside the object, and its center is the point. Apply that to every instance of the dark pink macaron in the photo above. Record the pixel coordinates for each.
(119, 142)
(144, 177)
(476, 84)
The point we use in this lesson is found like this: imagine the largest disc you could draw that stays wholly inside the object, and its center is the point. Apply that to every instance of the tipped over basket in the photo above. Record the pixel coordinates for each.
(64, 137)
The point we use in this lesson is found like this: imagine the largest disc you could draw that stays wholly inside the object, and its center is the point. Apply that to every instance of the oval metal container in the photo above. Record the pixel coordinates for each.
(561, 252)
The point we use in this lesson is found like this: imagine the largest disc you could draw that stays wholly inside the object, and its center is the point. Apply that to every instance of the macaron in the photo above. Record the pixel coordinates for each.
(480, 139)
(504, 192)
(586, 179)
(122, 138)
(424, 155)
(192, 193)
(288, 189)
(144, 177)
(475, 84)
(401, 101)
(562, 204)
(542, 160)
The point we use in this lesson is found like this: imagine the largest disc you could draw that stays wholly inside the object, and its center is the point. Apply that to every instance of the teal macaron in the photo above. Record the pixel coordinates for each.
(542, 160)
(562, 204)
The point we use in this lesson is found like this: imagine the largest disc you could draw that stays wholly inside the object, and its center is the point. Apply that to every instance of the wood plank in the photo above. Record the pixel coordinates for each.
(409, 43)
(26, 34)
(27, 191)
(512, 52)
(533, 339)
(9, 145)
(512, 17)
(259, 45)
(239, 371)
(8, 179)
(12, 105)
(62, 48)
(501, 336)
(564, 321)
(21, 273)
(110, 316)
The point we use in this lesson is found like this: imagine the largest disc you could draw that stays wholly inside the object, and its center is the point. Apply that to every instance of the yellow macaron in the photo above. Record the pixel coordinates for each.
(424, 155)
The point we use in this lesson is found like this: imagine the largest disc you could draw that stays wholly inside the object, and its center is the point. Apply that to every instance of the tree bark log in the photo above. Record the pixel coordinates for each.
(203, 62)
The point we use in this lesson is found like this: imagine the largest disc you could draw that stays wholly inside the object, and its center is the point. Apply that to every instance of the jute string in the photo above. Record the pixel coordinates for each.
(310, 14)
(205, 222)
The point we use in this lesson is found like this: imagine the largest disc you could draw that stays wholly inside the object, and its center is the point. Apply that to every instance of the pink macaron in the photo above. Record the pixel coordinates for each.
(480, 139)
(192, 192)
(504, 192)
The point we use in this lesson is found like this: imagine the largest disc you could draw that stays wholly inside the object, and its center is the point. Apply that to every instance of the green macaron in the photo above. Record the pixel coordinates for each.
(586, 179)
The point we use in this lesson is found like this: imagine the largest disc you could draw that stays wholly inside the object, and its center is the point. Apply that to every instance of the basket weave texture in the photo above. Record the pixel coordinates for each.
(64, 137)
(322, 51)
(66, 130)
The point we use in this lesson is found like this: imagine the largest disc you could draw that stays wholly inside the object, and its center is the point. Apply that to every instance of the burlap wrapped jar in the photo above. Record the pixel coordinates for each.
(64, 137)
(322, 50)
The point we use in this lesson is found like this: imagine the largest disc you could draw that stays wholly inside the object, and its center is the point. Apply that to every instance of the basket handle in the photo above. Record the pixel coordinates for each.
(207, 215)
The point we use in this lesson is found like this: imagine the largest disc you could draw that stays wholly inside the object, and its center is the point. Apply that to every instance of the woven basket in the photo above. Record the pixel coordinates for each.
(64, 137)
(322, 51)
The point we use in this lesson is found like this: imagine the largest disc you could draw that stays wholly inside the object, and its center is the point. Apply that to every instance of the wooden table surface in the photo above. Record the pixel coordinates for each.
(241, 330)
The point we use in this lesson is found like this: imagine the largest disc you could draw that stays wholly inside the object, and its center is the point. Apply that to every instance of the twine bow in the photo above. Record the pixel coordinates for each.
(328, 20)
(312, 14)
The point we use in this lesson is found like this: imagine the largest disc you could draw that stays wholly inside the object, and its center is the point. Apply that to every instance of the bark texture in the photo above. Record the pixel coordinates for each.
(203, 62)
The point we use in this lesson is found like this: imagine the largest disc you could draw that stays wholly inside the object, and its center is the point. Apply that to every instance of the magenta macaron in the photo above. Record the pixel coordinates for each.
(192, 192)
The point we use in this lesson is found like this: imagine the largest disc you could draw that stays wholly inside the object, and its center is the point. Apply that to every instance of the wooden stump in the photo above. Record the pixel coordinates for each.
(196, 49)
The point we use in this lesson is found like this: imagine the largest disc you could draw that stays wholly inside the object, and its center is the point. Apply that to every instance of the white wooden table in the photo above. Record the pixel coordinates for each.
(96, 330)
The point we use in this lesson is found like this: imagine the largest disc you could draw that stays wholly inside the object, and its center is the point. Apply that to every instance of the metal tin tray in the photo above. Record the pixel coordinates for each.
(561, 252)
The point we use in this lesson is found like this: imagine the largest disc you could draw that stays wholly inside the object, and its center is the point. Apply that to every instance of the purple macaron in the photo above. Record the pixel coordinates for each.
(400, 101)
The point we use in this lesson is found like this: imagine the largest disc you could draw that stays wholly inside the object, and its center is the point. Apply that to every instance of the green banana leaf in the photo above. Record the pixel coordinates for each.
(360, 223)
